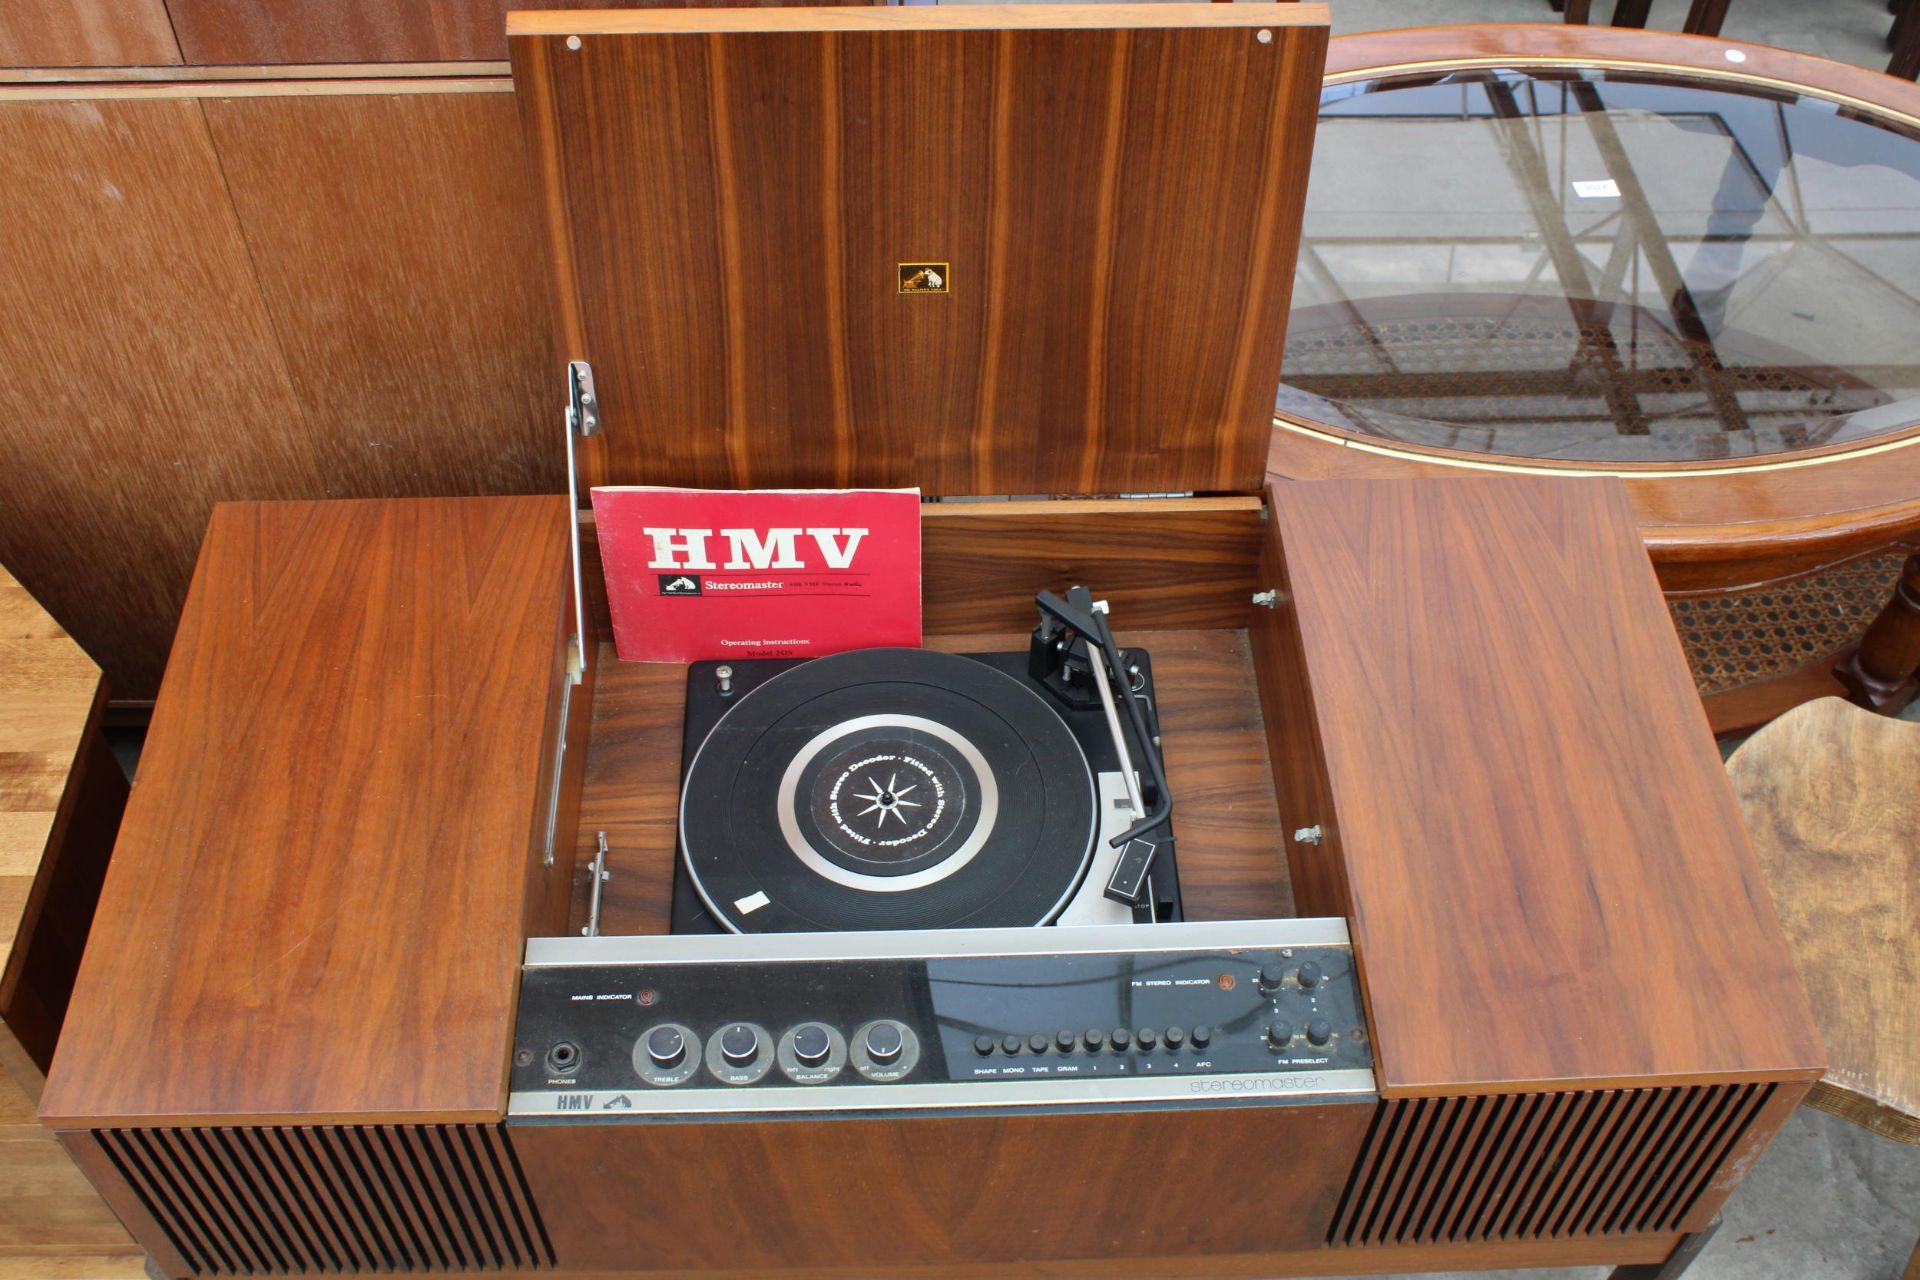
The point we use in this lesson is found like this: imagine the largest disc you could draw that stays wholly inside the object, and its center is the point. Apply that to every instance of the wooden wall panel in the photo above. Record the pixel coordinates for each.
(86, 33)
(274, 296)
(277, 31)
(394, 245)
(141, 382)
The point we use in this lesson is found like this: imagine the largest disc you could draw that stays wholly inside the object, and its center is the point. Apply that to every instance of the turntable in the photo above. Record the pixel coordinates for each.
(909, 789)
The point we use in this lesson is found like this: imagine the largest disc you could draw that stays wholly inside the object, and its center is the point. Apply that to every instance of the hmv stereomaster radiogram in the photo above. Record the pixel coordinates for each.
(1336, 878)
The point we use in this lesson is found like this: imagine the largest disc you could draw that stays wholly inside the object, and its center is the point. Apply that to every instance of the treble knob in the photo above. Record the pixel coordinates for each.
(666, 1046)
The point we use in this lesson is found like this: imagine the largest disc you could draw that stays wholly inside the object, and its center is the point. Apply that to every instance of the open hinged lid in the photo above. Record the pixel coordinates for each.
(1031, 249)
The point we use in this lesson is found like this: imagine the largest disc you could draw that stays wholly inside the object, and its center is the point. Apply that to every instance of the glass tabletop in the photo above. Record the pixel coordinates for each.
(1606, 266)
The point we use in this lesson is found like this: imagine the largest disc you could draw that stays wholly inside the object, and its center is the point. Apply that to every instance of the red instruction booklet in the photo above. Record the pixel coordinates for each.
(695, 574)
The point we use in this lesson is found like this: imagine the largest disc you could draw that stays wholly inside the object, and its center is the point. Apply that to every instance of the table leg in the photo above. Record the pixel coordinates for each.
(1906, 43)
(1631, 13)
(1705, 16)
(1678, 1261)
(1576, 10)
(1880, 672)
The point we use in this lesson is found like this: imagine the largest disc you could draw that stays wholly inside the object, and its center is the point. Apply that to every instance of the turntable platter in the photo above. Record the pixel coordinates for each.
(888, 789)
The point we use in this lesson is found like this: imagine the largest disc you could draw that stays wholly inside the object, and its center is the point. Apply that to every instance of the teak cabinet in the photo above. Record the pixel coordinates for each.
(1453, 712)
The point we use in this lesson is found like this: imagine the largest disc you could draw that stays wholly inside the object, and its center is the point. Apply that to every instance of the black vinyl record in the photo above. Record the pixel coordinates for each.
(887, 789)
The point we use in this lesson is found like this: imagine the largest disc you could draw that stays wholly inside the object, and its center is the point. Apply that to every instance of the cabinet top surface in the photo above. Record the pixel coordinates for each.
(978, 249)
(326, 851)
(1549, 878)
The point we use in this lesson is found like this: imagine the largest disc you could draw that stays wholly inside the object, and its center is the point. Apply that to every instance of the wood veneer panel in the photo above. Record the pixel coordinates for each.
(308, 876)
(727, 196)
(135, 340)
(86, 33)
(1548, 876)
(919, 1192)
(1231, 865)
(321, 31)
(393, 240)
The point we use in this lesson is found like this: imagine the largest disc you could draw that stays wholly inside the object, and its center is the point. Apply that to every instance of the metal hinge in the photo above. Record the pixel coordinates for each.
(583, 419)
(1267, 599)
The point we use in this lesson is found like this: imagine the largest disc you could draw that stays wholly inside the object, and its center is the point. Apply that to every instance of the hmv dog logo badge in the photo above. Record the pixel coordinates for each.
(678, 584)
(923, 277)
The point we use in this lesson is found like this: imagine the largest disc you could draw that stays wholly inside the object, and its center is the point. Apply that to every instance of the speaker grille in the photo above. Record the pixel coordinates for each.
(1527, 1166)
(263, 1201)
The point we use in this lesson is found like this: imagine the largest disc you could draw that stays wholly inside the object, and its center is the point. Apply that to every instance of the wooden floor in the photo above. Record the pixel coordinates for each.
(51, 1223)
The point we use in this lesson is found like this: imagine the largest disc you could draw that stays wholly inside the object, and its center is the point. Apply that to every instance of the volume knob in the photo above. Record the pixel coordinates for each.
(884, 1042)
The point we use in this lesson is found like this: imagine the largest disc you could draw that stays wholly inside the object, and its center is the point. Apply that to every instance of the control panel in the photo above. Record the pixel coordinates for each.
(1196, 1013)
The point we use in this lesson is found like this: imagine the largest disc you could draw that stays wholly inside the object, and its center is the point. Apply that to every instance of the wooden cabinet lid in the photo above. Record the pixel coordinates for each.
(1108, 195)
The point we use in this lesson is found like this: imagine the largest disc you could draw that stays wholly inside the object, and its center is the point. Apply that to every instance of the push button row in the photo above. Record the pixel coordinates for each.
(1120, 1039)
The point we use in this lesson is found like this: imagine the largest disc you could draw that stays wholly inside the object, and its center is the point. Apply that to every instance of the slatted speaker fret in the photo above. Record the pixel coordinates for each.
(267, 1201)
(1540, 1165)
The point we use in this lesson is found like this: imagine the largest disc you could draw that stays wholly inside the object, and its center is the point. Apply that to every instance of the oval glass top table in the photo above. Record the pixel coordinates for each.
(1689, 263)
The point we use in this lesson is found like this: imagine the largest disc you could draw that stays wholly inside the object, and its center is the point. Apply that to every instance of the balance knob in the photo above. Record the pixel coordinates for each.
(739, 1044)
(884, 1042)
(1279, 1035)
(1319, 1031)
(1272, 976)
(666, 1046)
(812, 1044)
(1310, 975)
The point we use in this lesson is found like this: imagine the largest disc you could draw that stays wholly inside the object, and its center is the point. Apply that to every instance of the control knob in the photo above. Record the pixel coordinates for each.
(1310, 975)
(812, 1044)
(739, 1044)
(884, 1042)
(666, 1046)
(1279, 1035)
(1319, 1031)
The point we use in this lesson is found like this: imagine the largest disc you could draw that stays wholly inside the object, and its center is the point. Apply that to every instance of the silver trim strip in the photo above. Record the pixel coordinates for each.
(688, 948)
(1287, 1086)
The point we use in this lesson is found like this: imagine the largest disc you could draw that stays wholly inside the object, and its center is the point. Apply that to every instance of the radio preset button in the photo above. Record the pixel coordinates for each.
(1147, 1037)
(1175, 1037)
(1279, 1036)
(1310, 974)
(1120, 1038)
(1272, 976)
(1094, 1039)
(1319, 1032)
